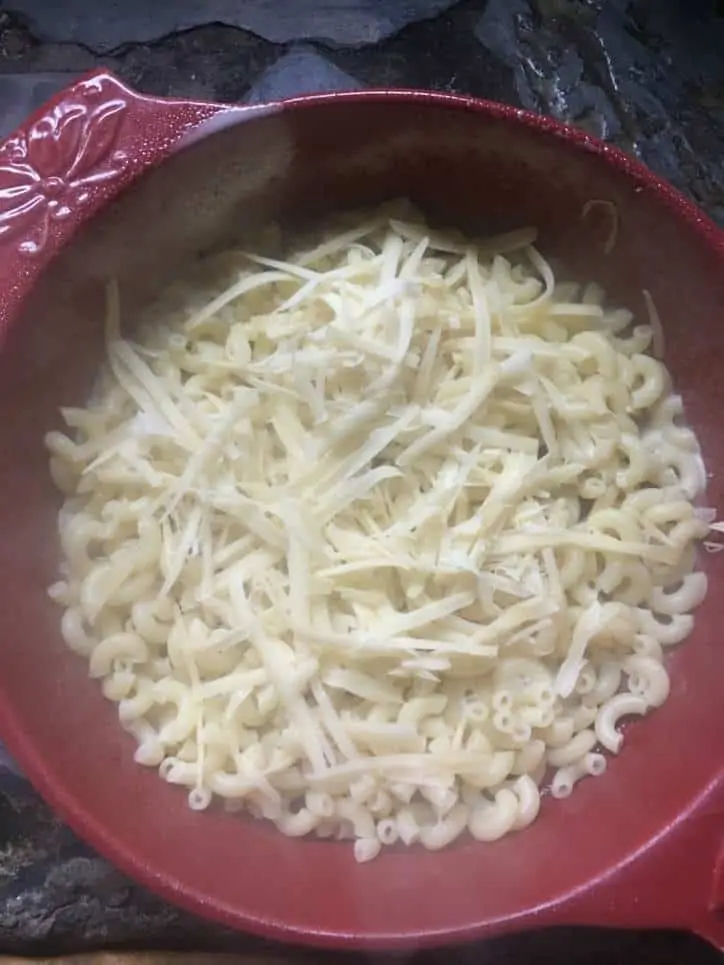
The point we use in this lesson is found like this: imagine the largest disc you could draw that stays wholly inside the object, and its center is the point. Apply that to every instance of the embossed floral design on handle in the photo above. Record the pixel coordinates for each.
(70, 159)
(50, 170)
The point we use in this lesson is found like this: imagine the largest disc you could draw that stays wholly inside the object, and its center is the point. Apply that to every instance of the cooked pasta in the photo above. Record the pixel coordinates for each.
(380, 540)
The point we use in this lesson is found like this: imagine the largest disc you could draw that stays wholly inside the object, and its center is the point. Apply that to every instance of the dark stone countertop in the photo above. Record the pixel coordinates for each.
(648, 76)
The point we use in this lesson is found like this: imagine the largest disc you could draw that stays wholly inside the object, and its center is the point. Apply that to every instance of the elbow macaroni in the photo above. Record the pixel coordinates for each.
(374, 542)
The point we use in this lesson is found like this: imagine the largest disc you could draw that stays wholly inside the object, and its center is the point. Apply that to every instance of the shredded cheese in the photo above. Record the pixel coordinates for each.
(658, 346)
(359, 534)
(610, 208)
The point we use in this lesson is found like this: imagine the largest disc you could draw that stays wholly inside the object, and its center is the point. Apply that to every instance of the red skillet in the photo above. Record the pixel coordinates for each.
(103, 182)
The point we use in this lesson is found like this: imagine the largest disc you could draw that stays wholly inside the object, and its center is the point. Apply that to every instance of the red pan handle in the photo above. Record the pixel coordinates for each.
(675, 881)
(70, 158)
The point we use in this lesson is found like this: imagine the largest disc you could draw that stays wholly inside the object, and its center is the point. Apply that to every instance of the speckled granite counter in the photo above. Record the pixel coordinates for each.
(646, 76)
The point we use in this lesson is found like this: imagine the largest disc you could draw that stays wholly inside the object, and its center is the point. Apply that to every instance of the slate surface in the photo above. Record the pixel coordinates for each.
(115, 23)
(648, 76)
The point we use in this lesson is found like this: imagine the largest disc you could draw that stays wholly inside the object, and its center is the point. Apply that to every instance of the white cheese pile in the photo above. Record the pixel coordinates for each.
(367, 538)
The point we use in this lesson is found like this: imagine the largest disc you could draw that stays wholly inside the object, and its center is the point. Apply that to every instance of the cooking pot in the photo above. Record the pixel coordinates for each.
(104, 183)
